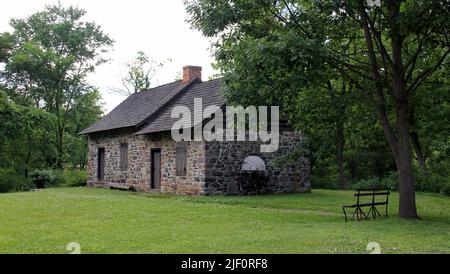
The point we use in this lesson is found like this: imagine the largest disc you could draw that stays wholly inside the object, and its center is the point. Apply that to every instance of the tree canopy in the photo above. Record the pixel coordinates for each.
(46, 99)
(278, 51)
(47, 59)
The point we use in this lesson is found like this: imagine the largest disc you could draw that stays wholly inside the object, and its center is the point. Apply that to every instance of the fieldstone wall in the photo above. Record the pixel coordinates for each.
(194, 181)
(111, 141)
(224, 175)
(213, 168)
(138, 173)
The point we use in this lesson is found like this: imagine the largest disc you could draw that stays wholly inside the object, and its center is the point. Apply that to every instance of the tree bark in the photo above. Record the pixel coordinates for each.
(407, 201)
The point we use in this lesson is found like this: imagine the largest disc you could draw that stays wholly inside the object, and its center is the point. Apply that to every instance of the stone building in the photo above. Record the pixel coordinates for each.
(132, 148)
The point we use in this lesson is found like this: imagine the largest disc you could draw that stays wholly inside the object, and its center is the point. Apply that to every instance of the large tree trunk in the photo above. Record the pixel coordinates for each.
(407, 201)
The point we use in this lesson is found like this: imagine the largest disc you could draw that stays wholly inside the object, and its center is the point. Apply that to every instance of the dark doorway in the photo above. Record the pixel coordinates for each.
(156, 169)
(101, 164)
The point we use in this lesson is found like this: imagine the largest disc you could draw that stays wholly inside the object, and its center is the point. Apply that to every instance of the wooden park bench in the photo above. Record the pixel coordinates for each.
(372, 204)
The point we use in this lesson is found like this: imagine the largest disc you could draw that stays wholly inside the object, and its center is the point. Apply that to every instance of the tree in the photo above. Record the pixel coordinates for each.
(85, 111)
(140, 73)
(327, 137)
(48, 59)
(274, 49)
(24, 136)
(430, 127)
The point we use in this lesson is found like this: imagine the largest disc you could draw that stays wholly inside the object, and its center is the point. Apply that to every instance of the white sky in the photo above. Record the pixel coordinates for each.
(157, 27)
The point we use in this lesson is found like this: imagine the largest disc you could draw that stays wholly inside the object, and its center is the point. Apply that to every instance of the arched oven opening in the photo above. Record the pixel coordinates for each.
(254, 176)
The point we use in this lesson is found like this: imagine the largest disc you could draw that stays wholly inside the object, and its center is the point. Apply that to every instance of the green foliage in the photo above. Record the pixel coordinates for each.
(46, 101)
(75, 177)
(325, 182)
(25, 136)
(47, 61)
(47, 178)
(333, 67)
(370, 183)
(10, 181)
(140, 73)
(445, 190)
(430, 182)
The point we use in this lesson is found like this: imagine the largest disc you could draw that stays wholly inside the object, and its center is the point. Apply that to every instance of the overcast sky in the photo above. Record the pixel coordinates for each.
(157, 27)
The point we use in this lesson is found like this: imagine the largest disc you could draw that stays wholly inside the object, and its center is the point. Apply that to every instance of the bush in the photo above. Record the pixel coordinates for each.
(47, 178)
(371, 183)
(75, 177)
(7, 183)
(429, 181)
(324, 183)
(445, 190)
(10, 182)
(391, 181)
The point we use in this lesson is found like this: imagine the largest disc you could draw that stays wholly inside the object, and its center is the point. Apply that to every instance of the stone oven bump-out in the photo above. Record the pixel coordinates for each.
(253, 163)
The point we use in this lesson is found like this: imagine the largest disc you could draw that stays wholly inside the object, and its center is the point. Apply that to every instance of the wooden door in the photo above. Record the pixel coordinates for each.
(101, 164)
(156, 169)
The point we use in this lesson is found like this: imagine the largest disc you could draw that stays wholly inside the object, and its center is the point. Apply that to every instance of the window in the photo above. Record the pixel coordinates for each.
(123, 156)
(181, 160)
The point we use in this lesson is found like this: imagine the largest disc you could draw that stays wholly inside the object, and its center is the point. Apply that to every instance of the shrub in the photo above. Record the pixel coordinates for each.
(7, 183)
(429, 181)
(10, 182)
(75, 177)
(371, 183)
(391, 181)
(47, 178)
(324, 183)
(445, 190)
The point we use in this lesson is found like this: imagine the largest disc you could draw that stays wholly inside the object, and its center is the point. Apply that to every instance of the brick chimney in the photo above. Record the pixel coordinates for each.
(191, 72)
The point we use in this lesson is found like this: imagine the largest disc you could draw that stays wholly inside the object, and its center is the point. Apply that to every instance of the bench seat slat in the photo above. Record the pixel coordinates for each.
(366, 204)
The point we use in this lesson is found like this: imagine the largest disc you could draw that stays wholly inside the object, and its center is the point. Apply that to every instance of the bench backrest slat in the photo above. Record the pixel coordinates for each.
(372, 192)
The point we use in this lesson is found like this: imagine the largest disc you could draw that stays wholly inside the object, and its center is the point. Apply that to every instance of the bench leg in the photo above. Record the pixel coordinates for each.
(358, 214)
(371, 212)
(374, 211)
(345, 213)
(361, 214)
(355, 214)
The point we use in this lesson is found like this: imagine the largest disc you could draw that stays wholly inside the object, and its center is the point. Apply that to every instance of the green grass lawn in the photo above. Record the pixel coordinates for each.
(105, 221)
